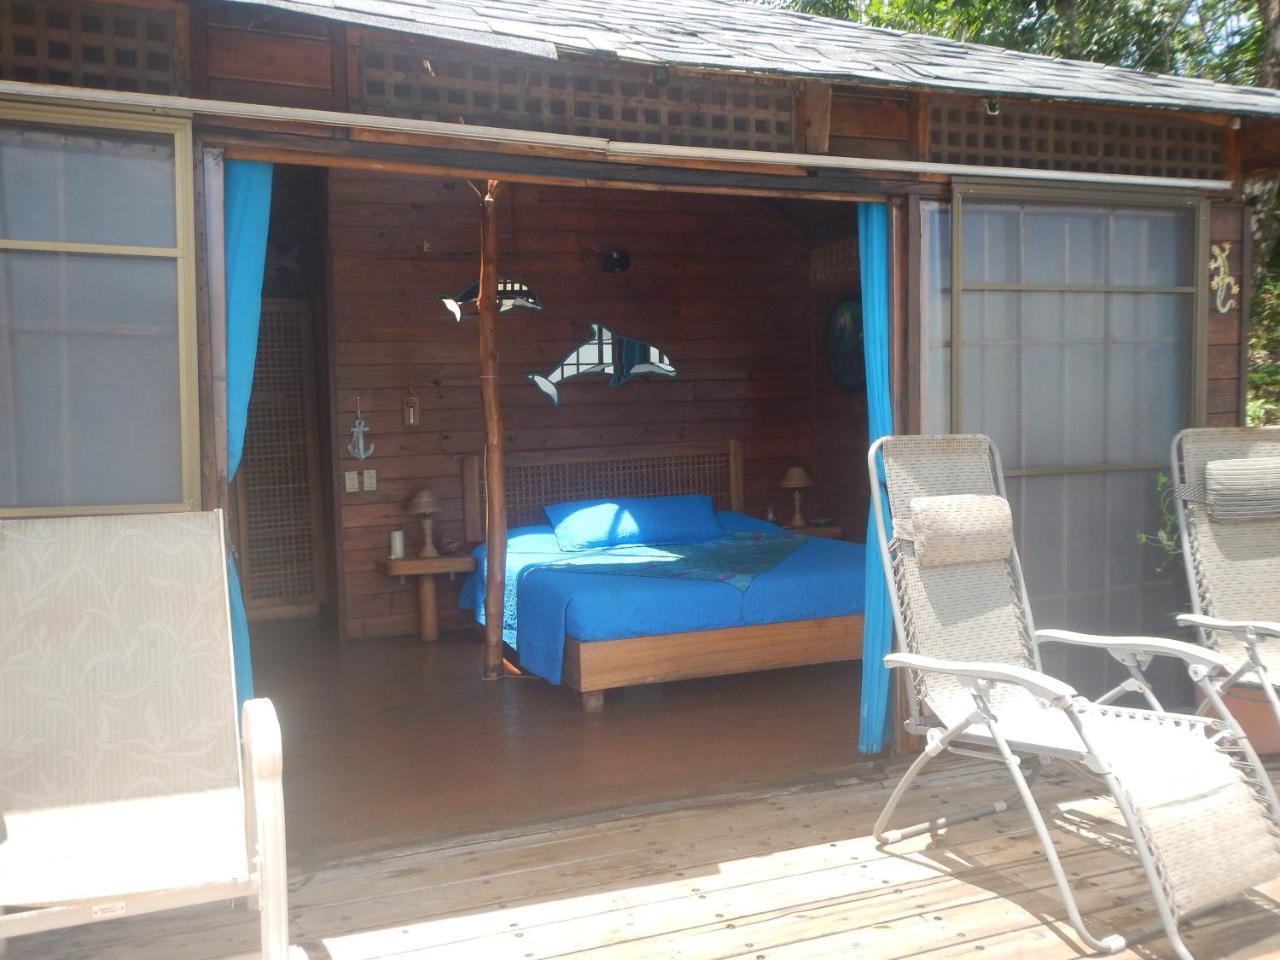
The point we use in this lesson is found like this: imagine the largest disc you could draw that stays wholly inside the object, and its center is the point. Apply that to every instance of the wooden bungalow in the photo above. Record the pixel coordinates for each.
(1067, 270)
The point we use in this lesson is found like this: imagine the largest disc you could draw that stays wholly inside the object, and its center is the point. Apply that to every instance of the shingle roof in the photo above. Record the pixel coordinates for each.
(733, 35)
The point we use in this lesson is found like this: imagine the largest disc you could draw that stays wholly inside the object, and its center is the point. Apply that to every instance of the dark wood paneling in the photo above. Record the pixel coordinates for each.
(878, 117)
(840, 418)
(238, 54)
(879, 125)
(261, 56)
(719, 283)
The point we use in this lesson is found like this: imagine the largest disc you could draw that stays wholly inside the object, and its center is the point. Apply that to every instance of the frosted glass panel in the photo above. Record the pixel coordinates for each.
(89, 380)
(935, 319)
(1153, 248)
(991, 237)
(1074, 355)
(1070, 247)
(81, 186)
(1084, 567)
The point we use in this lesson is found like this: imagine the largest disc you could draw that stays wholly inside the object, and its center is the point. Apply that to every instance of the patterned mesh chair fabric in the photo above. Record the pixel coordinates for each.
(1243, 490)
(1205, 824)
(961, 529)
(1236, 564)
(119, 750)
(961, 611)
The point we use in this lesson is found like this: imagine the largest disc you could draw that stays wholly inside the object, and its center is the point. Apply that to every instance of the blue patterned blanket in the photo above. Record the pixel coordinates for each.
(736, 560)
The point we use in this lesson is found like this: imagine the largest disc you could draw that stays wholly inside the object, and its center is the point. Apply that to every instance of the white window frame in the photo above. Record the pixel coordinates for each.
(183, 256)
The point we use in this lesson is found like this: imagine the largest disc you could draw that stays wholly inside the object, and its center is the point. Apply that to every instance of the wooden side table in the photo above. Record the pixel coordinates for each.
(831, 533)
(426, 569)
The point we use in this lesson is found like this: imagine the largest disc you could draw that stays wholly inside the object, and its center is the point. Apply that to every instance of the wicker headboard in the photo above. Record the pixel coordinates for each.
(536, 478)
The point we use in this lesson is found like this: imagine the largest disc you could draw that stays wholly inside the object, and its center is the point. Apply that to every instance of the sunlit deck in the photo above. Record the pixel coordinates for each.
(784, 875)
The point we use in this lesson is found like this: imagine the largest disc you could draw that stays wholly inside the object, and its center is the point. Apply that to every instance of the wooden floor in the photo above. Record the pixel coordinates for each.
(782, 876)
(396, 743)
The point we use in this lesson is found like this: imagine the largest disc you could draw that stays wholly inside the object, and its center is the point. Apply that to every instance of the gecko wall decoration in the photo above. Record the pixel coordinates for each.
(1223, 285)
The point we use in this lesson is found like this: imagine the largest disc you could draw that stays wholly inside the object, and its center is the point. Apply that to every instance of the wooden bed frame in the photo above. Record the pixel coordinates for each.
(715, 468)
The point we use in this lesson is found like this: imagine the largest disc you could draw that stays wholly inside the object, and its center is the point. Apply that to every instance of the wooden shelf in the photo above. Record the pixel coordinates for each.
(426, 569)
(416, 566)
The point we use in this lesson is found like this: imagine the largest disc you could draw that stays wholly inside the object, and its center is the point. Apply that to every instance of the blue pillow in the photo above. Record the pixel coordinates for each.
(609, 523)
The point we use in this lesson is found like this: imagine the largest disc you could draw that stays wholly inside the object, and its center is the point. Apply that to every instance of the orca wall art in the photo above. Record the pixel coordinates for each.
(604, 352)
(511, 293)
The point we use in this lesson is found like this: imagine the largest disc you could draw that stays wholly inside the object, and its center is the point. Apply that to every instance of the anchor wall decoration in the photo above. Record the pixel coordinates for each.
(356, 447)
(1223, 285)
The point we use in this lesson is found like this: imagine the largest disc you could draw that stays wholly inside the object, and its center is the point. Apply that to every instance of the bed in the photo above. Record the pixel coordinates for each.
(755, 598)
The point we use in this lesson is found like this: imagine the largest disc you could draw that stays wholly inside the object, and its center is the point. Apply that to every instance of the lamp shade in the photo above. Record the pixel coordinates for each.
(424, 502)
(796, 479)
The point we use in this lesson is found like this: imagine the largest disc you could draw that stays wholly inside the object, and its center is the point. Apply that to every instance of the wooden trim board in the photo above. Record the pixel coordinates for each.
(592, 668)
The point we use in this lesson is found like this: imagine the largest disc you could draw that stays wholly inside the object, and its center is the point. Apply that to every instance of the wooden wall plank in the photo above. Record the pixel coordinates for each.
(263, 56)
(875, 125)
(719, 283)
(239, 54)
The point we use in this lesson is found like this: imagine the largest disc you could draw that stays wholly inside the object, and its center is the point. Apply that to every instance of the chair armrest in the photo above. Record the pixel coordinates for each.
(264, 821)
(1258, 628)
(1047, 688)
(1190, 653)
(260, 731)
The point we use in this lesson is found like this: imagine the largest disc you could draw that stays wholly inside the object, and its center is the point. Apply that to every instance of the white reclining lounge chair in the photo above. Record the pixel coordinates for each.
(1202, 813)
(123, 788)
(1227, 491)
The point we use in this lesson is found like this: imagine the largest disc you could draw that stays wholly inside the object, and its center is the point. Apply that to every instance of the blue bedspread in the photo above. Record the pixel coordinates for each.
(546, 600)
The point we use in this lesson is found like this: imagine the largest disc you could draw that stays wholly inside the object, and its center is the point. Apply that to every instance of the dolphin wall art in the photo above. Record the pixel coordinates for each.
(604, 352)
(511, 293)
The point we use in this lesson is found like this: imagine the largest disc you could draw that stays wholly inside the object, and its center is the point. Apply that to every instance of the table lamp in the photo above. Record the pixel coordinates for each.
(424, 504)
(797, 479)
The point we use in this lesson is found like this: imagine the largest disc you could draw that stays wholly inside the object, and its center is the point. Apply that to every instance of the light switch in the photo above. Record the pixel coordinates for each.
(352, 481)
(370, 480)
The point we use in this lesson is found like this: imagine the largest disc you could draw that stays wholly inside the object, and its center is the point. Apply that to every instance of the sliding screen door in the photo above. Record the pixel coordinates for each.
(1067, 332)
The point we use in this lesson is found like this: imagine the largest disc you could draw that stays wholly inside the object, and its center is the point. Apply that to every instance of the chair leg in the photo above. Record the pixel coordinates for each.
(1113, 943)
(930, 751)
(1268, 688)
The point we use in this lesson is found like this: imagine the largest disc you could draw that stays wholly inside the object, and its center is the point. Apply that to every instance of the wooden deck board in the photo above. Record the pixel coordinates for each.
(789, 875)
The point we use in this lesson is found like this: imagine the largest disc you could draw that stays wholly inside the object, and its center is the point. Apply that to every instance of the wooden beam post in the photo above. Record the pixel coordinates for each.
(495, 485)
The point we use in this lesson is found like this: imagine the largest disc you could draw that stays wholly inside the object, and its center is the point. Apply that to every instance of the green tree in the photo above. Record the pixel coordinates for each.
(1214, 39)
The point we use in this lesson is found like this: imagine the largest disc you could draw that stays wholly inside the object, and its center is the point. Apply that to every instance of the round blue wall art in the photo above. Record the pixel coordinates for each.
(845, 361)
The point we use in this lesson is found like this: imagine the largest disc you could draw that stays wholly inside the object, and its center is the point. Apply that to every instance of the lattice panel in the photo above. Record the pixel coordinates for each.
(530, 487)
(276, 485)
(108, 46)
(526, 94)
(1047, 139)
(834, 260)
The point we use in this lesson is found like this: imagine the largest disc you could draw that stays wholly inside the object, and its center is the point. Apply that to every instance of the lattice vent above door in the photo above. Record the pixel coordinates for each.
(105, 46)
(629, 104)
(1051, 138)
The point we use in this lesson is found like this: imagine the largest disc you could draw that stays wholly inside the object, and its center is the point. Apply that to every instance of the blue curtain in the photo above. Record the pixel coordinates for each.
(877, 633)
(247, 205)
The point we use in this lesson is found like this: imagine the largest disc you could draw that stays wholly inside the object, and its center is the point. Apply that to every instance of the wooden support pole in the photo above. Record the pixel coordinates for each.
(495, 485)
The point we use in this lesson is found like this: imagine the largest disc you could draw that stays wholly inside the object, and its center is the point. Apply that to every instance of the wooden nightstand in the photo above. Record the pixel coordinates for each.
(426, 569)
(831, 533)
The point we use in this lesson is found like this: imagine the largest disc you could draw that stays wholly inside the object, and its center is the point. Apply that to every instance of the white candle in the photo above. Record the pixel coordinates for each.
(397, 544)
